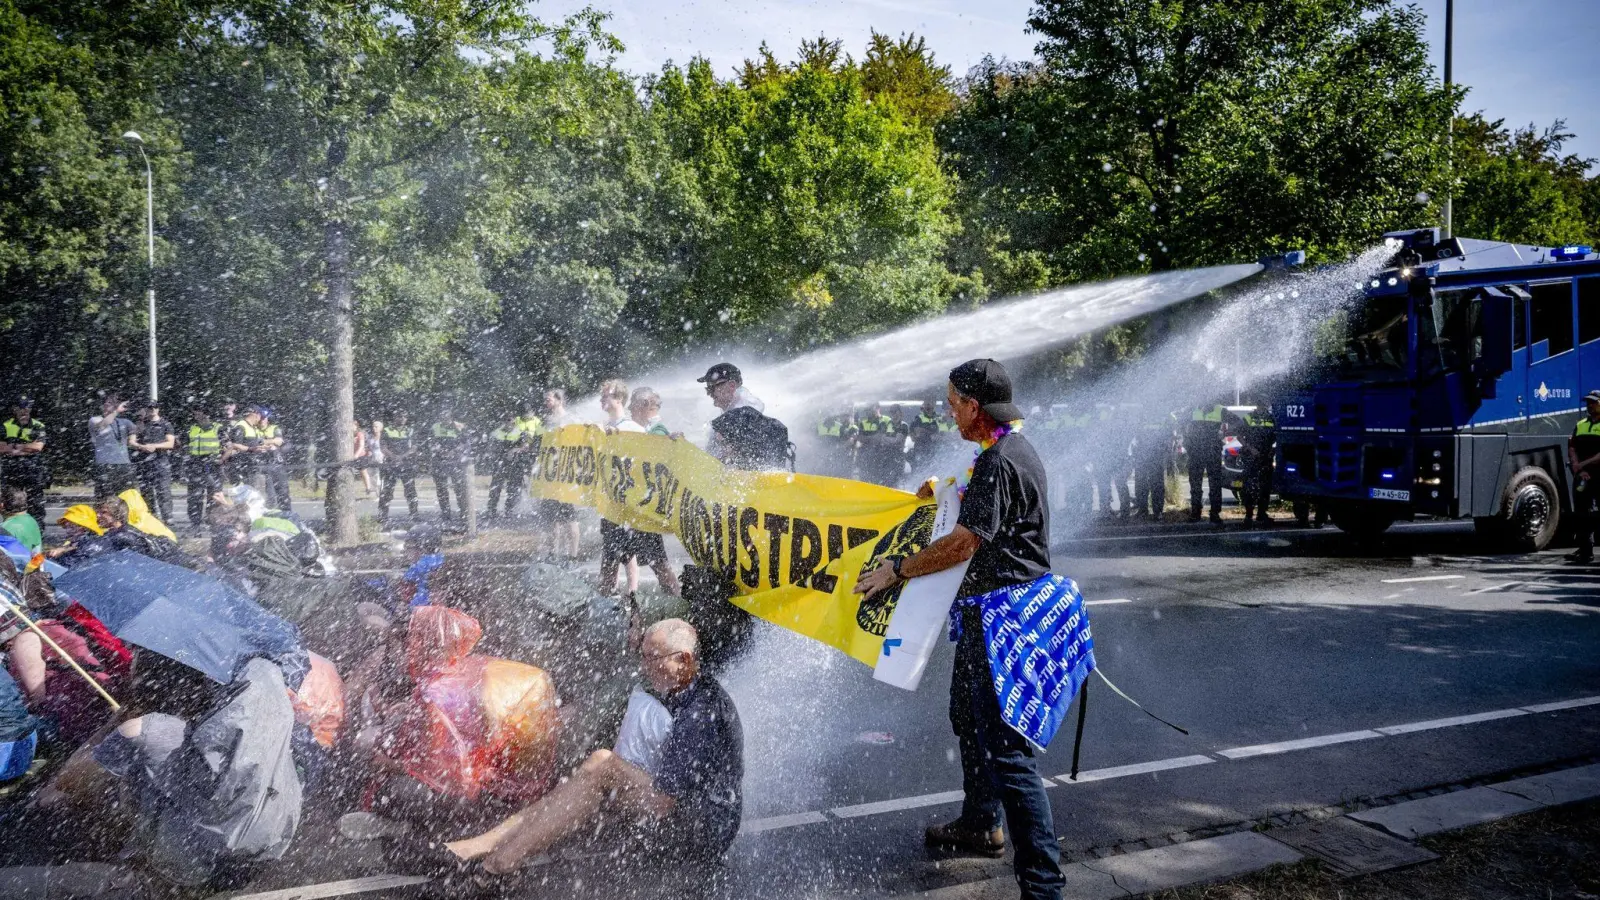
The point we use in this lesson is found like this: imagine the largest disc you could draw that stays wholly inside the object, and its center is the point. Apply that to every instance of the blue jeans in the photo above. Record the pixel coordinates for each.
(998, 770)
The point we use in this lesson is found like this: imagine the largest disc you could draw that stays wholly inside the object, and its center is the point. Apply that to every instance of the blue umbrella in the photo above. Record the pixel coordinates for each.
(183, 615)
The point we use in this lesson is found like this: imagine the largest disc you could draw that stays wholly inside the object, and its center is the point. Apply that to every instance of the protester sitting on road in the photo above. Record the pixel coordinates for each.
(477, 735)
(68, 705)
(204, 770)
(19, 733)
(112, 516)
(689, 810)
(80, 523)
(425, 547)
(18, 522)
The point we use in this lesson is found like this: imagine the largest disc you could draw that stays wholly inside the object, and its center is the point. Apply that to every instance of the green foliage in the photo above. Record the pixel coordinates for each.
(1517, 186)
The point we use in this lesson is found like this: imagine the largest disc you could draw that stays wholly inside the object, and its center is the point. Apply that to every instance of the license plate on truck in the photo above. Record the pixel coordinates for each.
(1390, 494)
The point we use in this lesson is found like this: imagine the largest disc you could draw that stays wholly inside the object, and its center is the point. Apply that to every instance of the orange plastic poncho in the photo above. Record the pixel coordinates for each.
(319, 704)
(477, 723)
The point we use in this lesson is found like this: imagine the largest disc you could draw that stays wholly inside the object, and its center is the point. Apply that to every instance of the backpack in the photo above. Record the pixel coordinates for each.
(752, 440)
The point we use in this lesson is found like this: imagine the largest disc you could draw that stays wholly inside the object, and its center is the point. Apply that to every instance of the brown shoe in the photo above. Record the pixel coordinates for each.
(956, 836)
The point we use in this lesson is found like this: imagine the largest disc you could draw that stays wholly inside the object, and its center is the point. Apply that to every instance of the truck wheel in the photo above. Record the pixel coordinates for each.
(1361, 523)
(1530, 511)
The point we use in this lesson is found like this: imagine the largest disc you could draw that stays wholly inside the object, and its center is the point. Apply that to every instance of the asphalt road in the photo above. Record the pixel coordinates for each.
(1247, 638)
(1309, 673)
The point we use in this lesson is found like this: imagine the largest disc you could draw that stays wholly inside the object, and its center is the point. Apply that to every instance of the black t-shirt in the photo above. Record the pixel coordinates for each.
(1006, 507)
(153, 433)
(702, 762)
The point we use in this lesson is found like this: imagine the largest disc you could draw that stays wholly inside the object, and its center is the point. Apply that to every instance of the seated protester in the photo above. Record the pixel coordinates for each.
(19, 731)
(646, 724)
(112, 516)
(425, 547)
(140, 516)
(689, 809)
(18, 523)
(71, 708)
(80, 523)
(204, 770)
(477, 728)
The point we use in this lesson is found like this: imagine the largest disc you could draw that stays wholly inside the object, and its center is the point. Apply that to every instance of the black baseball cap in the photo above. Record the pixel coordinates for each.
(22, 403)
(721, 372)
(986, 381)
(1592, 395)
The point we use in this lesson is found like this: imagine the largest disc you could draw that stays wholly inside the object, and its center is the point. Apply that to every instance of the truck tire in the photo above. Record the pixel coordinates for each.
(1530, 512)
(1361, 523)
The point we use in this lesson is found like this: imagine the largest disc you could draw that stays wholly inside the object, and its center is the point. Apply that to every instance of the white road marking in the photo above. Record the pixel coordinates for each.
(1159, 765)
(1411, 727)
(1105, 602)
(336, 888)
(1322, 740)
(1563, 704)
(884, 806)
(754, 826)
(1496, 587)
(1422, 578)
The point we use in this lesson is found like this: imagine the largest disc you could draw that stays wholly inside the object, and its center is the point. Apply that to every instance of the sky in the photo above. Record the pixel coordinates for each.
(1535, 65)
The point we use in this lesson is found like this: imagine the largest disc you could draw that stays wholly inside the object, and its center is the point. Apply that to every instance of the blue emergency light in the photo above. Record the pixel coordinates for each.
(1571, 252)
(1291, 468)
(1386, 474)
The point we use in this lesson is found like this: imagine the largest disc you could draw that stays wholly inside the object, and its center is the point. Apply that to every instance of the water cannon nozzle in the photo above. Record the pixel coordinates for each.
(1288, 260)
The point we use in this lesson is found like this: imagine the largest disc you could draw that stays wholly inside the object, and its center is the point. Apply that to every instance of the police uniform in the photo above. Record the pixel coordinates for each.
(449, 447)
(244, 467)
(273, 468)
(1117, 465)
(831, 438)
(1586, 494)
(202, 468)
(155, 467)
(511, 444)
(399, 464)
(1150, 465)
(926, 432)
(1202, 442)
(1258, 441)
(27, 472)
(880, 451)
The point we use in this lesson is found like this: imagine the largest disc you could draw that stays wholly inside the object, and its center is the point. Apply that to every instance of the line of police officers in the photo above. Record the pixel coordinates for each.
(249, 448)
(871, 444)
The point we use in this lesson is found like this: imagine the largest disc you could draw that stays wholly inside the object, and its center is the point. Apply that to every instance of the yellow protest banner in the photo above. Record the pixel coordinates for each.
(792, 545)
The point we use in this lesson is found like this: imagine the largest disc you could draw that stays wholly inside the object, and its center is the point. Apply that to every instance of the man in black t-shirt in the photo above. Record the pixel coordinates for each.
(689, 809)
(151, 446)
(1004, 530)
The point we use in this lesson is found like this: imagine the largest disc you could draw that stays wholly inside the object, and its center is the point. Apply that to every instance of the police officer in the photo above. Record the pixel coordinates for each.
(831, 444)
(1583, 455)
(399, 464)
(1258, 441)
(925, 434)
(508, 445)
(273, 470)
(1202, 442)
(152, 445)
(202, 464)
(449, 445)
(876, 445)
(243, 450)
(1153, 452)
(1114, 465)
(22, 448)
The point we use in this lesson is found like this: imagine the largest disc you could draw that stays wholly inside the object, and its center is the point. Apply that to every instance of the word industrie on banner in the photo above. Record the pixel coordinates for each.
(792, 545)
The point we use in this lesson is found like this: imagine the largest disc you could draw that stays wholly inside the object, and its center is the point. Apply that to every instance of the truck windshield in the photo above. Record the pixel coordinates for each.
(1449, 334)
(1375, 338)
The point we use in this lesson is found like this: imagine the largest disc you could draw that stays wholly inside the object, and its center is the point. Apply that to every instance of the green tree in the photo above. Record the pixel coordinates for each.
(1518, 186)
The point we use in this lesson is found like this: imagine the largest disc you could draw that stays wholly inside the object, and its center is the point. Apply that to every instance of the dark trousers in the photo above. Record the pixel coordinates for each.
(1205, 462)
(1150, 483)
(511, 476)
(1258, 485)
(112, 479)
(203, 476)
(30, 475)
(1115, 485)
(445, 477)
(1586, 506)
(998, 772)
(277, 478)
(405, 475)
(155, 484)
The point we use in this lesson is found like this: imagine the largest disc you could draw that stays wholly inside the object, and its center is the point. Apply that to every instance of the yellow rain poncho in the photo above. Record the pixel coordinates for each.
(140, 517)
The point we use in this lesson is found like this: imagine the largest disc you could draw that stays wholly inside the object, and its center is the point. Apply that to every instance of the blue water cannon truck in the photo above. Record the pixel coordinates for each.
(1461, 373)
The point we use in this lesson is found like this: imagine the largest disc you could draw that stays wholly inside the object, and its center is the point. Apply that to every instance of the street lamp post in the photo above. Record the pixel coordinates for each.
(150, 241)
(1450, 133)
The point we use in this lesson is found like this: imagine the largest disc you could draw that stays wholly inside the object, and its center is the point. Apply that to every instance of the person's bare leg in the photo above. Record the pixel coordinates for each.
(632, 566)
(26, 656)
(568, 808)
(666, 577)
(572, 538)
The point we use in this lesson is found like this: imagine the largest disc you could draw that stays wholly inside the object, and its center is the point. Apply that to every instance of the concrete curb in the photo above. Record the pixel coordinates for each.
(1240, 853)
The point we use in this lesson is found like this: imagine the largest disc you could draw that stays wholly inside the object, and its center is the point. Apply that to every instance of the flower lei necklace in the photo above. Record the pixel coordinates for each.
(1000, 431)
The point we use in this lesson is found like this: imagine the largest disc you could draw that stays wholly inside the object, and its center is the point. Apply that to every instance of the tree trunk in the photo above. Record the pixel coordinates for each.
(340, 502)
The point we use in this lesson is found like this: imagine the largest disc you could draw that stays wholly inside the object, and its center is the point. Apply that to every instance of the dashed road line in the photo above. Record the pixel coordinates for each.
(1422, 578)
(1159, 765)
(896, 805)
(1106, 602)
(1323, 740)
(337, 888)
(1413, 727)
(1563, 704)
